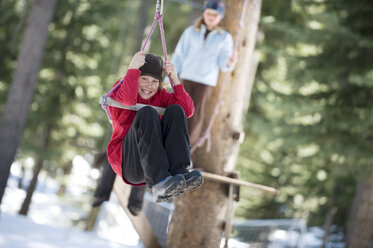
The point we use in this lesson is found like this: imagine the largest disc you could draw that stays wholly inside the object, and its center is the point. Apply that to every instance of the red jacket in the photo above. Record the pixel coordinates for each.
(127, 94)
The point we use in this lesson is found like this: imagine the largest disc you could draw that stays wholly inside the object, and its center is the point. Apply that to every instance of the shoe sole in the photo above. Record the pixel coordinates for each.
(194, 183)
(172, 192)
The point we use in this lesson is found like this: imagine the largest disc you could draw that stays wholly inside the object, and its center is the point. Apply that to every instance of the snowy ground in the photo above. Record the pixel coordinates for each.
(48, 224)
(21, 232)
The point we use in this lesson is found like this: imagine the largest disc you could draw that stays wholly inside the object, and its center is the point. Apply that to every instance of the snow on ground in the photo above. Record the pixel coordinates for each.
(21, 232)
(49, 221)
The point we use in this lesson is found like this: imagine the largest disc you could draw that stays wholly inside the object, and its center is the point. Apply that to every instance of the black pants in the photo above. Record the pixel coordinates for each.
(156, 148)
(105, 185)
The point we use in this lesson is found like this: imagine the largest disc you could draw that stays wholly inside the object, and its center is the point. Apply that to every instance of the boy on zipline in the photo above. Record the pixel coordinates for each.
(145, 149)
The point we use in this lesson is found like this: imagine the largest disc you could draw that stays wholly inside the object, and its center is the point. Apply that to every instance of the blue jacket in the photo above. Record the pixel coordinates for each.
(199, 60)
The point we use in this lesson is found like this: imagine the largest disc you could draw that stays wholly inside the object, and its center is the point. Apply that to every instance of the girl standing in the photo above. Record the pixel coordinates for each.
(203, 50)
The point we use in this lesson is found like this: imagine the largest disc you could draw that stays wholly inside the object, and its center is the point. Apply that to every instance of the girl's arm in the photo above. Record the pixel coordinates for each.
(127, 91)
(227, 57)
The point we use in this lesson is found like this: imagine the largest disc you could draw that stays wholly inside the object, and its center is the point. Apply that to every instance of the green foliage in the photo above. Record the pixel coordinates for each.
(310, 122)
(65, 106)
(11, 29)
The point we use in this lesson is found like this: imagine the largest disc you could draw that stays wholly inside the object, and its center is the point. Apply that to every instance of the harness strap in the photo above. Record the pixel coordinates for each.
(105, 100)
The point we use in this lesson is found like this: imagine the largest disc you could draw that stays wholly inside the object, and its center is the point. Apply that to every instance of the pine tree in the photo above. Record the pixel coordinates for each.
(310, 119)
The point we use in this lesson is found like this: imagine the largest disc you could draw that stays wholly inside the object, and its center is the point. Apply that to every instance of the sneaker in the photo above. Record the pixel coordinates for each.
(193, 180)
(169, 188)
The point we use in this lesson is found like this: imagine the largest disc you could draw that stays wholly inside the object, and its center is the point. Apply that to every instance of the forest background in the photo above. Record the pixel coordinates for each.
(309, 127)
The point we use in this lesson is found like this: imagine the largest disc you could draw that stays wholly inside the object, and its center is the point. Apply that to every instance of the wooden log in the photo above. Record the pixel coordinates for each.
(228, 180)
(140, 222)
(111, 102)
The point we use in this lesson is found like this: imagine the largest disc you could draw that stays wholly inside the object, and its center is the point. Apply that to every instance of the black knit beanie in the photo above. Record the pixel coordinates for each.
(153, 66)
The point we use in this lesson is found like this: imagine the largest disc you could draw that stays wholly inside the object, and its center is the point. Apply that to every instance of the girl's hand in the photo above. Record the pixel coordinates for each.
(169, 70)
(137, 61)
(232, 60)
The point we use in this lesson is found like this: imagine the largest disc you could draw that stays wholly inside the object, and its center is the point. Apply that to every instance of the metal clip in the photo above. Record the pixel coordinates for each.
(157, 6)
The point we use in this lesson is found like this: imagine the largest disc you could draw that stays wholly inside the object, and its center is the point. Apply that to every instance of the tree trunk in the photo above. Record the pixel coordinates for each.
(21, 177)
(199, 215)
(67, 168)
(360, 226)
(329, 218)
(38, 166)
(141, 24)
(23, 84)
(92, 218)
(31, 188)
(102, 188)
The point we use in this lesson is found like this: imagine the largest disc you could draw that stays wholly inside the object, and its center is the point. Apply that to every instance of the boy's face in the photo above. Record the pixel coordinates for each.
(147, 86)
(211, 18)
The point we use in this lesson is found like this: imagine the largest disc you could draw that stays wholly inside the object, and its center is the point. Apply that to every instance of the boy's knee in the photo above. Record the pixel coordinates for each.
(147, 111)
(175, 108)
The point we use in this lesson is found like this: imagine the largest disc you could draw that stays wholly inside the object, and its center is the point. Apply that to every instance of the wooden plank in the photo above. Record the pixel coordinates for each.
(140, 222)
(111, 102)
(228, 180)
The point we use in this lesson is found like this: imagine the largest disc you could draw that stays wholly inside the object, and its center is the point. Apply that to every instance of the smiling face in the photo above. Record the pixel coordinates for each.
(211, 18)
(147, 86)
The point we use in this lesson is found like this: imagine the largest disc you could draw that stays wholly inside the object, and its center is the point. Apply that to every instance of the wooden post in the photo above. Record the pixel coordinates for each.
(140, 222)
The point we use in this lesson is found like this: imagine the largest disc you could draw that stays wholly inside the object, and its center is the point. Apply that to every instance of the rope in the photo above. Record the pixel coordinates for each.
(158, 16)
(206, 136)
